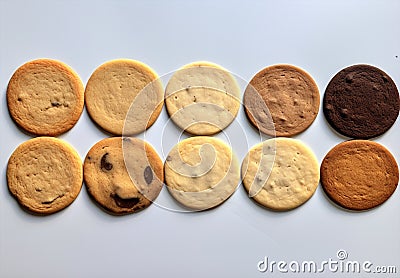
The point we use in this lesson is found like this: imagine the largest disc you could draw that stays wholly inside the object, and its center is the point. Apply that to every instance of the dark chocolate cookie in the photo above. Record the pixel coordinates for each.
(123, 175)
(361, 101)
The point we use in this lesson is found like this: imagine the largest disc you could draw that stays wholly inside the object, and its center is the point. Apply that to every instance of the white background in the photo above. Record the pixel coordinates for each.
(322, 37)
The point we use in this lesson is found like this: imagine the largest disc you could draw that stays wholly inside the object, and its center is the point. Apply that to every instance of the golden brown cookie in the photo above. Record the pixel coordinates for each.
(280, 173)
(202, 98)
(201, 172)
(44, 174)
(45, 97)
(123, 175)
(284, 94)
(359, 174)
(124, 96)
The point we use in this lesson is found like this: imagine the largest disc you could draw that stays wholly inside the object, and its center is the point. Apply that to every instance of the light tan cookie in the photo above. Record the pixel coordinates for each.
(359, 174)
(45, 97)
(281, 173)
(202, 98)
(123, 175)
(201, 172)
(285, 93)
(44, 174)
(124, 96)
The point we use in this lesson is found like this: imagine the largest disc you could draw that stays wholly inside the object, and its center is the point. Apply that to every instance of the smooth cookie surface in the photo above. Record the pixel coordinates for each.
(282, 100)
(281, 173)
(359, 174)
(44, 174)
(202, 98)
(123, 175)
(124, 97)
(45, 97)
(201, 172)
(361, 101)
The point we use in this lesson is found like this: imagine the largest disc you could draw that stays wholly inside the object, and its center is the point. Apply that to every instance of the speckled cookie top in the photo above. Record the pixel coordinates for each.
(281, 173)
(124, 96)
(282, 100)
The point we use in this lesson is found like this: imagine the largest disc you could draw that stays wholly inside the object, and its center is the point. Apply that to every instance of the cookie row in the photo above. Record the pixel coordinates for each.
(125, 97)
(126, 175)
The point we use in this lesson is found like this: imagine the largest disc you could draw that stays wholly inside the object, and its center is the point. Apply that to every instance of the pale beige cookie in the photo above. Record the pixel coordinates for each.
(280, 173)
(201, 172)
(124, 96)
(45, 97)
(44, 174)
(202, 98)
(285, 94)
(359, 174)
(123, 175)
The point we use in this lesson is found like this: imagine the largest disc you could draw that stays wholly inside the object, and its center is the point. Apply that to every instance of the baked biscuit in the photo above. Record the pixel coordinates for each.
(123, 175)
(361, 101)
(280, 173)
(202, 98)
(45, 97)
(359, 174)
(201, 172)
(124, 97)
(44, 174)
(282, 100)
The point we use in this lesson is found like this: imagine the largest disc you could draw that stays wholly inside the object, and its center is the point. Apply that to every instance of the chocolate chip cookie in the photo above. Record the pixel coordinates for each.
(123, 175)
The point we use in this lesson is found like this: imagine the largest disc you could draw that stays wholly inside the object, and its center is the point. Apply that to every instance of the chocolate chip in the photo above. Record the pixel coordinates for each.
(148, 175)
(55, 104)
(104, 164)
(125, 203)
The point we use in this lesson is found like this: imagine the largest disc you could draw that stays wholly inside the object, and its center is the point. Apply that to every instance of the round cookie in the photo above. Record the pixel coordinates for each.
(361, 101)
(281, 100)
(124, 96)
(359, 174)
(45, 97)
(202, 98)
(44, 174)
(201, 172)
(123, 175)
(280, 173)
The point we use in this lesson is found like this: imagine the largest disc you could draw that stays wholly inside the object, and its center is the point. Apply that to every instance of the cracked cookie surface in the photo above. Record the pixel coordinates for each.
(45, 97)
(123, 175)
(44, 174)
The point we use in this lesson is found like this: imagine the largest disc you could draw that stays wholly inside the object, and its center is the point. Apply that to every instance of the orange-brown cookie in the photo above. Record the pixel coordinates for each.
(282, 100)
(359, 174)
(123, 175)
(44, 174)
(45, 97)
